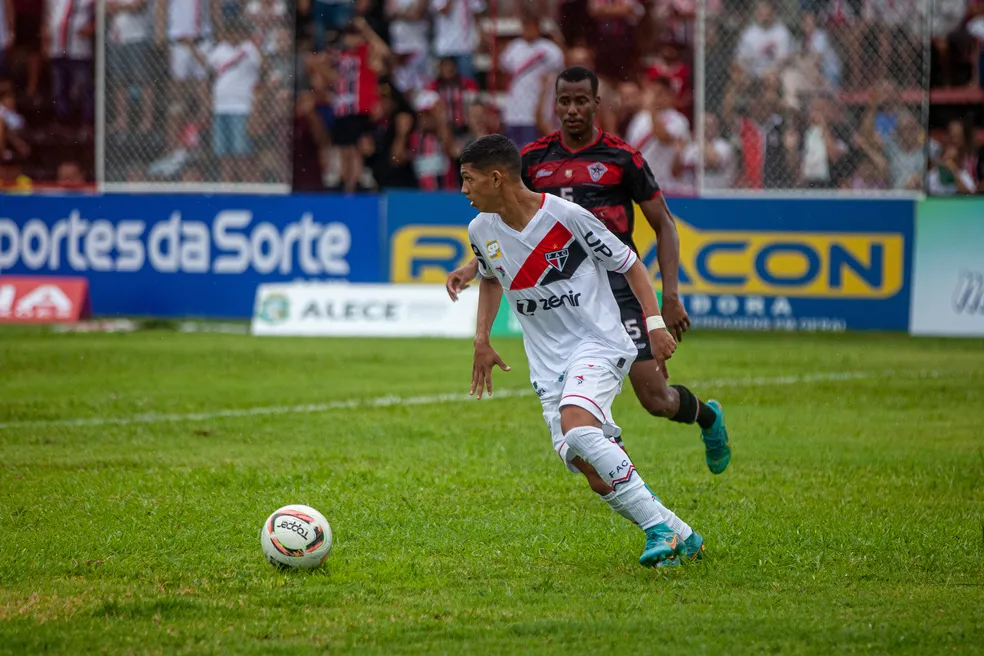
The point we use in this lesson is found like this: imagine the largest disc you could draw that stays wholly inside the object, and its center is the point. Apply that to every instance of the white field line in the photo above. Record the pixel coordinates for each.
(388, 401)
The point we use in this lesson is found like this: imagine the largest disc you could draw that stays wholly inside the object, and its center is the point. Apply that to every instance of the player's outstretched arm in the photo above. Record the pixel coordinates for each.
(662, 341)
(668, 256)
(489, 298)
(459, 279)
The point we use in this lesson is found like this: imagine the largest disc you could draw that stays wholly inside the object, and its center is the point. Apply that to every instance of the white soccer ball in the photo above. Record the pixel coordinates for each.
(296, 536)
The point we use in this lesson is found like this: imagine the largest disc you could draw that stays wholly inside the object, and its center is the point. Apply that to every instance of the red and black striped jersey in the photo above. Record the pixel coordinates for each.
(605, 177)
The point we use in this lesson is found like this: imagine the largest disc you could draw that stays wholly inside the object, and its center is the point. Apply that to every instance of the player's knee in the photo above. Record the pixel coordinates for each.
(573, 416)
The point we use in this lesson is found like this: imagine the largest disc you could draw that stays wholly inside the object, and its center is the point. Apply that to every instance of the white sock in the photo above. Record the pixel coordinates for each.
(629, 496)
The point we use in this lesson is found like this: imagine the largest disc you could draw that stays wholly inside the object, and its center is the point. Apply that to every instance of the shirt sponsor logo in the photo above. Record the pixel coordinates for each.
(528, 306)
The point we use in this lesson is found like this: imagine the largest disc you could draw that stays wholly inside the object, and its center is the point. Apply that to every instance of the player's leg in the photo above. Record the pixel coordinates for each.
(585, 408)
(674, 402)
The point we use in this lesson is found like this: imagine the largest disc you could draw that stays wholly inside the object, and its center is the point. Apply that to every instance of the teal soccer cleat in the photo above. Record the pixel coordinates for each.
(717, 444)
(662, 543)
(693, 551)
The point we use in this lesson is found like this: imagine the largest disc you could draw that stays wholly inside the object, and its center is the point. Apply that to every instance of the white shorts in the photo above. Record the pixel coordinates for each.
(184, 66)
(589, 384)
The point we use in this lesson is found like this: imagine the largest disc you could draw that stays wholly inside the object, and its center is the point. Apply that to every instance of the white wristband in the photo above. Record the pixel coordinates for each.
(655, 323)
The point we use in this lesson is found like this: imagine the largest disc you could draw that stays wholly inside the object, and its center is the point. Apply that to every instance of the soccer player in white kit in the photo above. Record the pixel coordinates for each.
(550, 257)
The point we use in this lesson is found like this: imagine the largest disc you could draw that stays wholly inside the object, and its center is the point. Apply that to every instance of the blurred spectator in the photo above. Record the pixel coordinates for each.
(903, 146)
(950, 43)
(358, 62)
(7, 33)
(188, 21)
(12, 181)
(12, 124)
(825, 148)
(235, 67)
(720, 162)
(669, 65)
(29, 22)
(959, 135)
(895, 28)
(130, 59)
(70, 28)
(659, 131)
(765, 44)
(818, 52)
(432, 147)
(310, 141)
(328, 18)
(409, 42)
(392, 165)
(70, 175)
(615, 44)
(478, 125)
(576, 26)
(769, 145)
(456, 90)
(456, 31)
(946, 177)
(629, 104)
(867, 176)
(527, 60)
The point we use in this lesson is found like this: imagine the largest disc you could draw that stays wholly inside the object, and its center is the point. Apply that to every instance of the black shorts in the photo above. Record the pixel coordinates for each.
(348, 129)
(632, 315)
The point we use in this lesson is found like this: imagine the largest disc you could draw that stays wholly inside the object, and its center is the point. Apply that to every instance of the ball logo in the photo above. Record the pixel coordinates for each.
(274, 309)
(296, 527)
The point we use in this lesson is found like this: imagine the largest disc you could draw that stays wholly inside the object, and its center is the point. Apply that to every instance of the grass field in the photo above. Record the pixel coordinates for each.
(136, 470)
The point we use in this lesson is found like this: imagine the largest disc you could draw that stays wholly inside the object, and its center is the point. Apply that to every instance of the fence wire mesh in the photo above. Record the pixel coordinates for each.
(198, 92)
(814, 95)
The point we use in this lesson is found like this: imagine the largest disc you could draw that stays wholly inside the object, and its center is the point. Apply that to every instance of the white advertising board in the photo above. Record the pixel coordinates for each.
(350, 310)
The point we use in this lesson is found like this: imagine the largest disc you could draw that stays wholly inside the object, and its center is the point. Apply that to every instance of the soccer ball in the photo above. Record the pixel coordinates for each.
(296, 536)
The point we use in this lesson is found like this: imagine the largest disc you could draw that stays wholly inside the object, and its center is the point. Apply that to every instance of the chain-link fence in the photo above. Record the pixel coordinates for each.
(198, 94)
(813, 95)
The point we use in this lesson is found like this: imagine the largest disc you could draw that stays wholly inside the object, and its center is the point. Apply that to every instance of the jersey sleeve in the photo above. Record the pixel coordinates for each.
(484, 269)
(599, 242)
(640, 179)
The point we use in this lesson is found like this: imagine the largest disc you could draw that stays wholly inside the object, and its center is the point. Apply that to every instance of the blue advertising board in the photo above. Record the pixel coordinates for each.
(746, 264)
(175, 255)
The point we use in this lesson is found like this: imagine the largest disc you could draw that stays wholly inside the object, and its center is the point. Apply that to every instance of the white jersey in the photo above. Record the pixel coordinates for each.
(237, 70)
(658, 155)
(527, 63)
(553, 274)
(65, 19)
(188, 19)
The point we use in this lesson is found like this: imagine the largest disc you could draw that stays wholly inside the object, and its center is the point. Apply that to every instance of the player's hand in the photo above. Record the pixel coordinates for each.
(459, 278)
(675, 317)
(485, 359)
(663, 345)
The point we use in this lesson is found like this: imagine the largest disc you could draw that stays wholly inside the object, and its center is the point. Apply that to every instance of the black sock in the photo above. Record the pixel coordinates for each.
(692, 410)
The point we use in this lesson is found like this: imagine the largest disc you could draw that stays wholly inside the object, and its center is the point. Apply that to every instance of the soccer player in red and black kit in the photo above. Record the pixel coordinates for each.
(606, 176)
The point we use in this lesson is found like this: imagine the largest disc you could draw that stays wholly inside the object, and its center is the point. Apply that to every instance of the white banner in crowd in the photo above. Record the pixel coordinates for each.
(948, 268)
(346, 310)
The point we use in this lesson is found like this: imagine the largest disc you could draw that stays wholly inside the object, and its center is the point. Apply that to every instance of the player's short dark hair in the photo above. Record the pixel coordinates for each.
(492, 151)
(576, 74)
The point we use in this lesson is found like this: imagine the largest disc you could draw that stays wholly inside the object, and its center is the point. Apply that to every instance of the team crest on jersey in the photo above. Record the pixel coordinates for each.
(569, 173)
(557, 259)
(597, 170)
(493, 250)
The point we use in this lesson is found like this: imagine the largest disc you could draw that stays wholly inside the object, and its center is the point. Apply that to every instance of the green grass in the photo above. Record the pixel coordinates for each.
(851, 517)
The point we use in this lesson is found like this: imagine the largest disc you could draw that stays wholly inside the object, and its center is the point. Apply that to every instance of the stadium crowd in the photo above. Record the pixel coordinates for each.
(799, 94)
